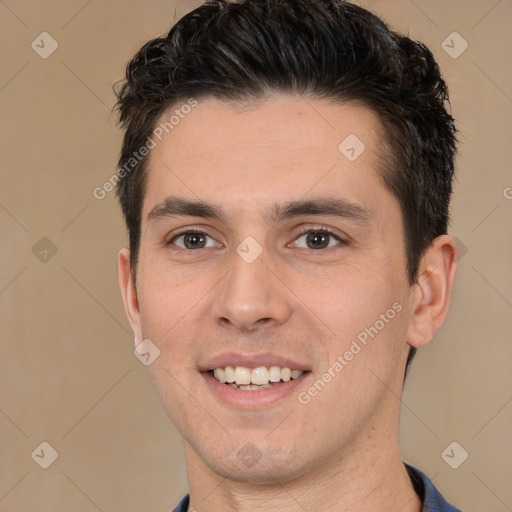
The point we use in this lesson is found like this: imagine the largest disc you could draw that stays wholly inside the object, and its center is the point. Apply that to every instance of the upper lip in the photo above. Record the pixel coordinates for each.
(251, 361)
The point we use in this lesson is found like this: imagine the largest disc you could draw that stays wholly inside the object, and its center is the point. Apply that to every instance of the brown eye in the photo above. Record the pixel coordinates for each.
(192, 240)
(318, 239)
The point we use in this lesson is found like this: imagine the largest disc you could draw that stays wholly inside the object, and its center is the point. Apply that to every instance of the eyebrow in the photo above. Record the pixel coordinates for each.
(177, 206)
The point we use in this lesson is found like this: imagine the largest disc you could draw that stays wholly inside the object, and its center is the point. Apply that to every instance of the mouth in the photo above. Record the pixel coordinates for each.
(253, 379)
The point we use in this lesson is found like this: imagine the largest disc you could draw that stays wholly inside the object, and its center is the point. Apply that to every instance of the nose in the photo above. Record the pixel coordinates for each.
(251, 296)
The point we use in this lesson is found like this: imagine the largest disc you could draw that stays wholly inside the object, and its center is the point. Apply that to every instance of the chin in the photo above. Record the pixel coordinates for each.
(250, 465)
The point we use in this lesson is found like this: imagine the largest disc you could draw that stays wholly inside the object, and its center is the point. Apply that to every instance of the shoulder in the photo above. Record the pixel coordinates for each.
(182, 505)
(432, 499)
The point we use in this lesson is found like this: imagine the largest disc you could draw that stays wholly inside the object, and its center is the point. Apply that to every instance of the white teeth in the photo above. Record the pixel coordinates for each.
(242, 375)
(229, 374)
(274, 374)
(250, 387)
(257, 378)
(295, 374)
(219, 374)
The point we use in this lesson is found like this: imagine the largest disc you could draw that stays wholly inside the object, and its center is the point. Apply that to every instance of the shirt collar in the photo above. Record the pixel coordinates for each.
(429, 495)
(432, 499)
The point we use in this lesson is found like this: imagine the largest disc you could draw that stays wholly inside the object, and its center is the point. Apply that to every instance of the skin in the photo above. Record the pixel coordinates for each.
(340, 451)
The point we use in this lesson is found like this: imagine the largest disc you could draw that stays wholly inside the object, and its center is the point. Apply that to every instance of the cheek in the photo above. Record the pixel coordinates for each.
(175, 392)
(365, 316)
(170, 319)
(348, 299)
(170, 297)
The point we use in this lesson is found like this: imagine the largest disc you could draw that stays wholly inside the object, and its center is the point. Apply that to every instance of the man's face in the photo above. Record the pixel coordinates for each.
(261, 288)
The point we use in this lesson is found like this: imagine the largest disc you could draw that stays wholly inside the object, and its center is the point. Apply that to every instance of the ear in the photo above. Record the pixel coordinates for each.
(129, 292)
(432, 290)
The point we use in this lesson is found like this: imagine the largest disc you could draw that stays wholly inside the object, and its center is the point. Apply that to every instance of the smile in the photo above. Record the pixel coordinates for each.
(241, 377)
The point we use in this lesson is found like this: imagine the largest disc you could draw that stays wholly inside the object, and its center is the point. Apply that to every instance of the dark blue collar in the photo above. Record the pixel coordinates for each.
(426, 490)
(429, 495)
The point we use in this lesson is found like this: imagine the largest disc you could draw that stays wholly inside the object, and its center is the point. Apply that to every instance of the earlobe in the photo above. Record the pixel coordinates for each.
(129, 292)
(432, 290)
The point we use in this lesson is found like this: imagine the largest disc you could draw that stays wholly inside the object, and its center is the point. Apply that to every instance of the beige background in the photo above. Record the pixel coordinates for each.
(67, 372)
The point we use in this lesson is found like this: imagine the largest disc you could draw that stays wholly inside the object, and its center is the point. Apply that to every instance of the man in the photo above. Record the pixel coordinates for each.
(285, 177)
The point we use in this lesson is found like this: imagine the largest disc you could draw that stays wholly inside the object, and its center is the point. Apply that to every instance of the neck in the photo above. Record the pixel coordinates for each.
(369, 476)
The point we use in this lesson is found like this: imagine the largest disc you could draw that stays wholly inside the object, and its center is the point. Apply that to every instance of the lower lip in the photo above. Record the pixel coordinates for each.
(252, 399)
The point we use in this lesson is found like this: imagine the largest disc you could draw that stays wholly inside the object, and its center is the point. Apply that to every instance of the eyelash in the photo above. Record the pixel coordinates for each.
(316, 229)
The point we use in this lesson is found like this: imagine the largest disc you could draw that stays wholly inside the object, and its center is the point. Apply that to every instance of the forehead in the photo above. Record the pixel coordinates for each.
(281, 148)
